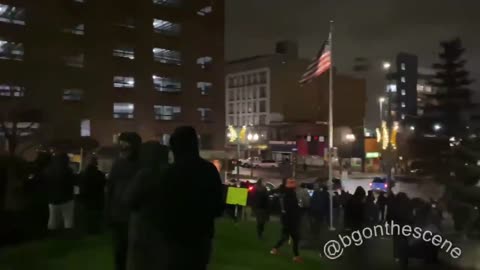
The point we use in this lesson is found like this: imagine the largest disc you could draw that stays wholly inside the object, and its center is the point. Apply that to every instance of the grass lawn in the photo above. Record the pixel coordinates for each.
(236, 248)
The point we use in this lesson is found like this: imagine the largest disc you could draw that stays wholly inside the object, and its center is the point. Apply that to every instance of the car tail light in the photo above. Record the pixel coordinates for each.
(386, 185)
(250, 188)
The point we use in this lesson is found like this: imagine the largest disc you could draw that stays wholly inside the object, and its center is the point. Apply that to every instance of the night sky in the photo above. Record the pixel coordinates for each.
(375, 29)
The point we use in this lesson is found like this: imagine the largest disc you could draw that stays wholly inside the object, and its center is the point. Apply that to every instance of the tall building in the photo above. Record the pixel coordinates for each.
(263, 93)
(407, 88)
(98, 68)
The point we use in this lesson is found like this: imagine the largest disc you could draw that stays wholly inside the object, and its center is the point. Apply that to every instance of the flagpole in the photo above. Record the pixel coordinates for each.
(330, 126)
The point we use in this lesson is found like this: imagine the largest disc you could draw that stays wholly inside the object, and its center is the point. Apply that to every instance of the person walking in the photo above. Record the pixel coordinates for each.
(124, 169)
(60, 181)
(260, 207)
(290, 219)
(92, 195)
(355, 210)
(146, 241)
(189, 218)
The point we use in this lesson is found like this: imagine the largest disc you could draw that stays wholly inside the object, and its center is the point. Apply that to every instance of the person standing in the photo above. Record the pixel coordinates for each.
(290, 219)
(92, 195)
(60, 181)
(260, 207)
(118, 211)
(146, 245)
(189, 218)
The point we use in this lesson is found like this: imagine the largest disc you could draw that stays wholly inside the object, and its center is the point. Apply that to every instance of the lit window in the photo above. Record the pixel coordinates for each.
(165, 139)
(403, 79)
(75, 60)
(166, 85)
(169, 3)
(85, 128)
(77, 29)
(167, 56)
(123, 82)
(403, 105)
(392, 88)
(166, 27)
(420, 87)
(72, 94)
(420, 112)
(205, 11)
(11, 14)
(428, 89)
(11, 50)
(403, 116)
(205, 61)
(167, 113)
(7, 90)
(205, 114)
(124, 52)
(123, 110)
(404, 92)
(206, 87)
(403, 66)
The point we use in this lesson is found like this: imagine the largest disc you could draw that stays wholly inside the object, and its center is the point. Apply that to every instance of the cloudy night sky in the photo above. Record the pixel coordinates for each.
(375, 29)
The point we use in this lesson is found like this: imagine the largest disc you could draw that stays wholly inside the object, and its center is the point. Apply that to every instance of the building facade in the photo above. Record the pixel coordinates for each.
(263, 94)
(407, 88)
(98, 68)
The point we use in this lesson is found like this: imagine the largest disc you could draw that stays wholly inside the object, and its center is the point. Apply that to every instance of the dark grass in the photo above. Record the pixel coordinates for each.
(236, 248)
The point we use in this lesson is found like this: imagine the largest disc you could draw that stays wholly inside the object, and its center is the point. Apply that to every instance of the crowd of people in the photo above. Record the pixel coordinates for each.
(310, 216)
(152, 227)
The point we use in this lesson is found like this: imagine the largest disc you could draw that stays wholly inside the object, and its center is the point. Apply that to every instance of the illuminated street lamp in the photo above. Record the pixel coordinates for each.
(437, 127)
(386, 65)
(350, 137)
(381, 100)
(251, 138)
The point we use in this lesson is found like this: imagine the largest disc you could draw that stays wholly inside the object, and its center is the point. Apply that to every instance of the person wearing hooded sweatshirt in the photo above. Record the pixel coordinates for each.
(92, 195)
(189, 219)
(290, 218)
(260, 207)
(124, 169)
(146, 240)
(60, 181)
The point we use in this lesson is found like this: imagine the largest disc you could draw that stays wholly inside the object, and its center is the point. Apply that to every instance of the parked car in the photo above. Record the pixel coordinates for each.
(265, 164)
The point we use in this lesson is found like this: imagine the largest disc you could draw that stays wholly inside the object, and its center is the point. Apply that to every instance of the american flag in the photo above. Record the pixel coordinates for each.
(321, 63)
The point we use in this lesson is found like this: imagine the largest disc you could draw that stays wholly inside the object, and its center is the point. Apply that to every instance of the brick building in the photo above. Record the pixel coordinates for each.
(97, 68)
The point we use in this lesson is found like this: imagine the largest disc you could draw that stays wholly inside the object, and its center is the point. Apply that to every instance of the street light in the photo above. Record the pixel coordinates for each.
(412, 128)
(386, 65)
(350, 137)
(251, 138)
(437, 127)
(381, 100)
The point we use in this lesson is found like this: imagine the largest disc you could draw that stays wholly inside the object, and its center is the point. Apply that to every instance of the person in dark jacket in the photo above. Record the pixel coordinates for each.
(36, 189)
(189, 218)
(124, 169)
(373, 207)
(355, 210)
(401, 214)
(92, 195)
(260, 206)
(290, 219)
(60, 181)
(146, 240)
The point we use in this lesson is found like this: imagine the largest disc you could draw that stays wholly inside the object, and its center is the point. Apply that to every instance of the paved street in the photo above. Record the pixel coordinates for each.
(424, 189)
